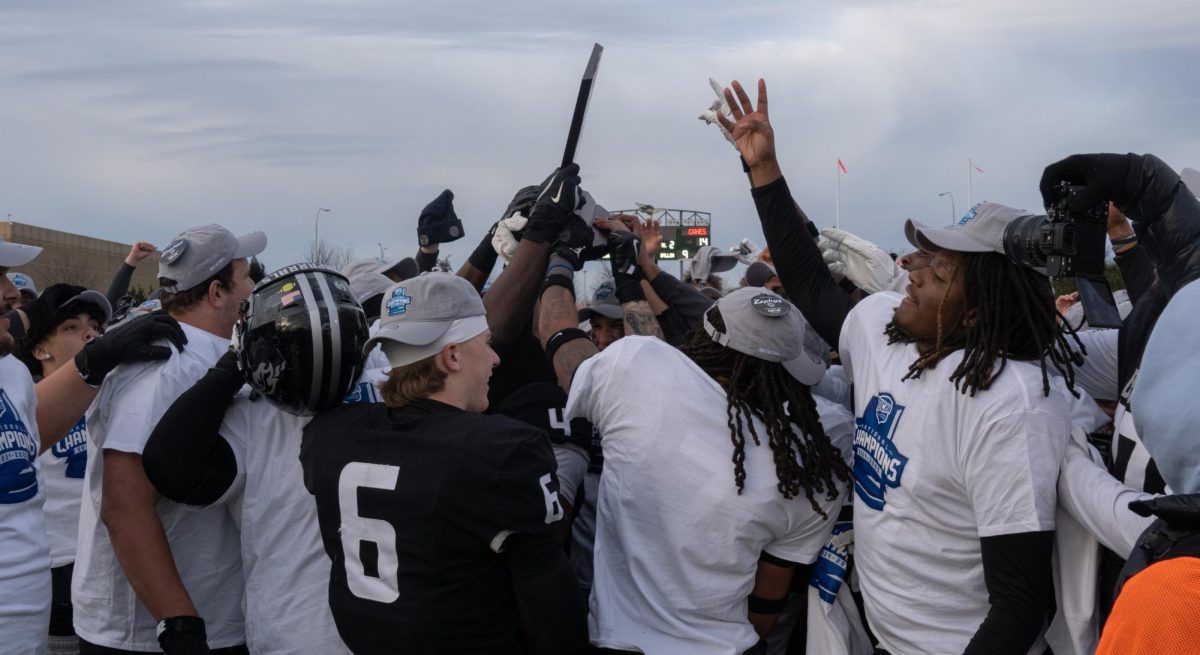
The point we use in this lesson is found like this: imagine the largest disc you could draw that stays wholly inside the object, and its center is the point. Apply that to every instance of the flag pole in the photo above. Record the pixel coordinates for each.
(970, 183)
(837, 221)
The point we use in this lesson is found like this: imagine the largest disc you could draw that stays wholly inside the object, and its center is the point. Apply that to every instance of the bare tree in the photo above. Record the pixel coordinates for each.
(324, 253)
(62, 268)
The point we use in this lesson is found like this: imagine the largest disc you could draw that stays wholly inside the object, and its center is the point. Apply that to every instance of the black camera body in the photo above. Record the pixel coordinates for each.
(1068, 243)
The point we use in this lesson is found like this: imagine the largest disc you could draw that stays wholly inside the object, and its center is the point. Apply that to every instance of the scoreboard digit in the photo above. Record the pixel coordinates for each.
(682, 241)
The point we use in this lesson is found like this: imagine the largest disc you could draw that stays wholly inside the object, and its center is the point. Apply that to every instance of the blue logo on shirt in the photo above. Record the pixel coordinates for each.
(18, 479)
(830, 570)
(877, 463)
(73, 448)
(363, 392)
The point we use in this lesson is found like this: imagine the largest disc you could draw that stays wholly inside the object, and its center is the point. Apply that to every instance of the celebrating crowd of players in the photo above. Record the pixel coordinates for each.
(845, 454)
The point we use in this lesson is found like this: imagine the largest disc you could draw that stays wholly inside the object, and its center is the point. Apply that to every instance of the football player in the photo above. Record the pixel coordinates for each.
(300, 346)
(436, 517)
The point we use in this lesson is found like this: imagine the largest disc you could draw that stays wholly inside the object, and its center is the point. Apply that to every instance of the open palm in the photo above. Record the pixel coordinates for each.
(750, 127)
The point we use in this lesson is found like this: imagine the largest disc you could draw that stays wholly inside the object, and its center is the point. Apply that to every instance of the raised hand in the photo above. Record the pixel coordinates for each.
(139, 251)
(750, 127)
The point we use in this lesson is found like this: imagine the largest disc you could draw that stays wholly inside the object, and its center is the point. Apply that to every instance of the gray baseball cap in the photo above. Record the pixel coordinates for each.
(424, 314)
(979, 230)
(366, 280)
(764, 325)
(604, 303)
(758, 274)
(200, 252)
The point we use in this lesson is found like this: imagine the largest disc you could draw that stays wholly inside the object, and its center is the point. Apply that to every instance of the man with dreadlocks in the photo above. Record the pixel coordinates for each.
(961, 388)
(722, 471)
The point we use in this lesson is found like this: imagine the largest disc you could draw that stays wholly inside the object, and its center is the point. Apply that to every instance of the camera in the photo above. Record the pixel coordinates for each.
(1067, 243)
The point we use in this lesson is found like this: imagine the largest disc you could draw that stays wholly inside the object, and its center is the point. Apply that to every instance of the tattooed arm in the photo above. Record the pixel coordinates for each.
(640, 320)
(557, 318)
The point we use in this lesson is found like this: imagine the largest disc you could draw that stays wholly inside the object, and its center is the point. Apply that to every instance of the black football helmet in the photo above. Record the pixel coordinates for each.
(300, 340)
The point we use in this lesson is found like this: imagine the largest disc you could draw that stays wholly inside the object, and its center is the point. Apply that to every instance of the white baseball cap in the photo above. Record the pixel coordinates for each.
(17, 254)
(366, 279)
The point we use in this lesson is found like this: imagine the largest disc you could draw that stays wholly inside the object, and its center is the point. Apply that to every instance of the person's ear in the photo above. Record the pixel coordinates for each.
(216, 294)
(40, 354)
(450, 359)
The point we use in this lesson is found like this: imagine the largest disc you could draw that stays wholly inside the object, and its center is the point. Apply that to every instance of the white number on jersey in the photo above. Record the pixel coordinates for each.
(554, 510)
(356, 529)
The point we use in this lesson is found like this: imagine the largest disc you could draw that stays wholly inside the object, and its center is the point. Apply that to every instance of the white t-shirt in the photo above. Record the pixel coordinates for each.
(24, 555)
(676, 546)
(935, 470)
(376, 359)
(204, 541)
(283, 559)
(63, 466)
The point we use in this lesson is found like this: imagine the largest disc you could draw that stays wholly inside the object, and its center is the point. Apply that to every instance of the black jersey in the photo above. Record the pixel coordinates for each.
(522, 362)
(414, 507)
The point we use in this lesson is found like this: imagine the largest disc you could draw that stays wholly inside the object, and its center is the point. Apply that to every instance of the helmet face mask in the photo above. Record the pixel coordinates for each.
(301, 337)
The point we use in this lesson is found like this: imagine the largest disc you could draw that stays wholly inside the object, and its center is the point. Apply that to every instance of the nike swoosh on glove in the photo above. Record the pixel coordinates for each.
(867, 265)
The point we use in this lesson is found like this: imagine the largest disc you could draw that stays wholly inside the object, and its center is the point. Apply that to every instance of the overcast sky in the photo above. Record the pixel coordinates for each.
(127, 120)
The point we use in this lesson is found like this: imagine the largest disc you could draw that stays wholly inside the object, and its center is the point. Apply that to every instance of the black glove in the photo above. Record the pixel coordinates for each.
(556, 203)
(183, 635)
(1103, 177)
(130, 342)
(623, 248)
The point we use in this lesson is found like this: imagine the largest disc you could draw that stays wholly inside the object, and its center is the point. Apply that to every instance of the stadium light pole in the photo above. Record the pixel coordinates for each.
(953, 214)
(316, 223)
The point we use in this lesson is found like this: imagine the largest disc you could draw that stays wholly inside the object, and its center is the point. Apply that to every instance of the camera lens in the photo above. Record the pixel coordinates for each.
(1023, 241)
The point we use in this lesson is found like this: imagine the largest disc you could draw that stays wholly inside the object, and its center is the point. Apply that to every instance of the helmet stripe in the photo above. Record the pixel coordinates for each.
(328, 307)
(314, 321)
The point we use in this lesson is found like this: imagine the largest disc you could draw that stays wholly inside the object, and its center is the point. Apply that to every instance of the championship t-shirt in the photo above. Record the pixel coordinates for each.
(204, 542)
(63, 466)
(24, 555)
(934, 471)
(415, 506)
(677, 546)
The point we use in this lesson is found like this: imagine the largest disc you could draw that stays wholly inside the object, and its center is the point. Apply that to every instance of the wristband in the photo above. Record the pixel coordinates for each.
(483, 259)
(760, 605)
(1125, 240)
(558, 339)
(180, 625)
(629, 289)
(558, 281)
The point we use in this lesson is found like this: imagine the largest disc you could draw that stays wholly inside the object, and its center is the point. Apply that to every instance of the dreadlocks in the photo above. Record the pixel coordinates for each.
(805, 459)
(1014, 318)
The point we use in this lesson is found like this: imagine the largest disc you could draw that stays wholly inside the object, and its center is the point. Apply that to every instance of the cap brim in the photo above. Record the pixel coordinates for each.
(17, 254)
(607, 310)
(410, 333)
(806, 368)
(95, 298)
(402, 352)
(933, 239)
(250, 245)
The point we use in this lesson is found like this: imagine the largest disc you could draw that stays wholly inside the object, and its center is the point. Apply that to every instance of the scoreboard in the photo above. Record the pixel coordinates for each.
(683, 231)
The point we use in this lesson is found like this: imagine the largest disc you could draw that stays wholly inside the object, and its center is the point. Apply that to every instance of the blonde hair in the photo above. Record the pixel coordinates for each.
(411, 382)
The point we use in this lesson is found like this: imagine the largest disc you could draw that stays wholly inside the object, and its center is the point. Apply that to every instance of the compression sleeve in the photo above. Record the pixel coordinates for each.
(1137, 270)
(120, 283)
(1017, 573)
(426, 260)
(543, 580)
(802, 270)
(186, 458)
(687, 302)
(674, 328)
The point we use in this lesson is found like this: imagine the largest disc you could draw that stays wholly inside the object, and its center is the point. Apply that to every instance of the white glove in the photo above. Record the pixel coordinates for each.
(864, 263)
(747, 251)
(719, 106)
(503, 240)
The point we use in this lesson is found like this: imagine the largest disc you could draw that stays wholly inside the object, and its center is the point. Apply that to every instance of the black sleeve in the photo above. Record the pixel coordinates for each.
(1137, 270)
(798, 261)
(1016, 570)
(543, 580)
(120, 283)
(426, 261)
(687, 301)
(1166, 218)
(674, 328)
(186, 458)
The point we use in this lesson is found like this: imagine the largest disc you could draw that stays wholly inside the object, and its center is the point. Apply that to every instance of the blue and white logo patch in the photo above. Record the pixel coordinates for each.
(18, 479)
(73, 448)
(398, 303)
(970, 215)
(877, 463)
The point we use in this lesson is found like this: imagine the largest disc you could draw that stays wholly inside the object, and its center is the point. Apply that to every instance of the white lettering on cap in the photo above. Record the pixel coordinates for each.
(173, 251)
(769, 305)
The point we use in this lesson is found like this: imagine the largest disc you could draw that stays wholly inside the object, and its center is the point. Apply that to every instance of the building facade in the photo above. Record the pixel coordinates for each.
(77, 259)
